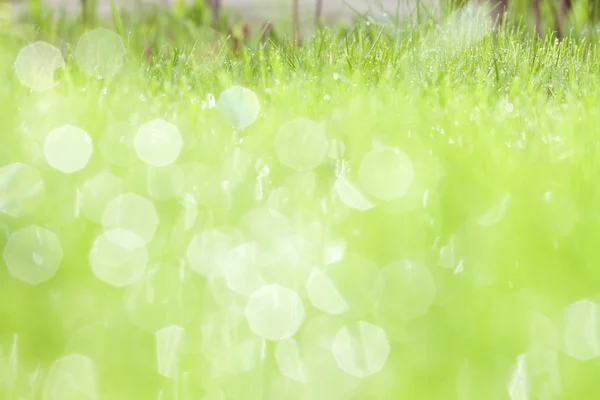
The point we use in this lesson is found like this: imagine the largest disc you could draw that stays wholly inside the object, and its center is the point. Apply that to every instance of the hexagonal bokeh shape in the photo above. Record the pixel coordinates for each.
(21, 189)
(274, 312)
(361, 349)
(158, 143)
(35, 65)
(100, 53)
(33, 254)
(131, 212)
(406, 290)
(301, 144)
(97, 192)
(71, 377)
(68, 149)
(118, 257)
(239, 105)
(386, 173)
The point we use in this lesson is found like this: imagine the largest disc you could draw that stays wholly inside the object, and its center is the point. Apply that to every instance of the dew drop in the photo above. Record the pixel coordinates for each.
(351, 196)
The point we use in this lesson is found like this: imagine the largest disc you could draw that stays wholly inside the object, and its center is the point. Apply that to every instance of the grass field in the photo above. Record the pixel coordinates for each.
(382, 212)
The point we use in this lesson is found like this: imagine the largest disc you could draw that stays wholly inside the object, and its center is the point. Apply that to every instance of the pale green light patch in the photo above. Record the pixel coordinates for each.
(518, 384)
(323, 294)
(68, 149)
(242, 269)
(116, 144)
(190, 211)
(580, 330)
(405, 290)
(158, 143)
(118, 257)
(33, 254)
(386, 173)
(151, 303)
(168, 341)
(133, 213)
(208, 251)
(274, 312)
(35, 65)
(289, 360)
(334, 251)
(228, 343)
(72, 377)
(351, 196)
(449, 257)
(100, 53)
(301, 144)
(165, 183)
(97, 192)
(361, 349)
(355, 277)
(496, 213)
(239, 105)
(21, 189)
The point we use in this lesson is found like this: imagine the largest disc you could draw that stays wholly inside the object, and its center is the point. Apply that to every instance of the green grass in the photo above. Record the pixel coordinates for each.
(500, 222)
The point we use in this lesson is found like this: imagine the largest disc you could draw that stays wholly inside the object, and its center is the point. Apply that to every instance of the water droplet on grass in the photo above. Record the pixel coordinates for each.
(68, 149)
(97, 192)
(275, 312)
(72, 377)
(580, 331)
(158, 143)
(100, 53)
(323, 294)
(239, 105)
(406, 290)
(33, 254)
(118, 257)
(21, 189)
(361, 349)
(289, 361)
(35, 65)
(386, 173)
(168, 340)
(301, 144)
(131, 212)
